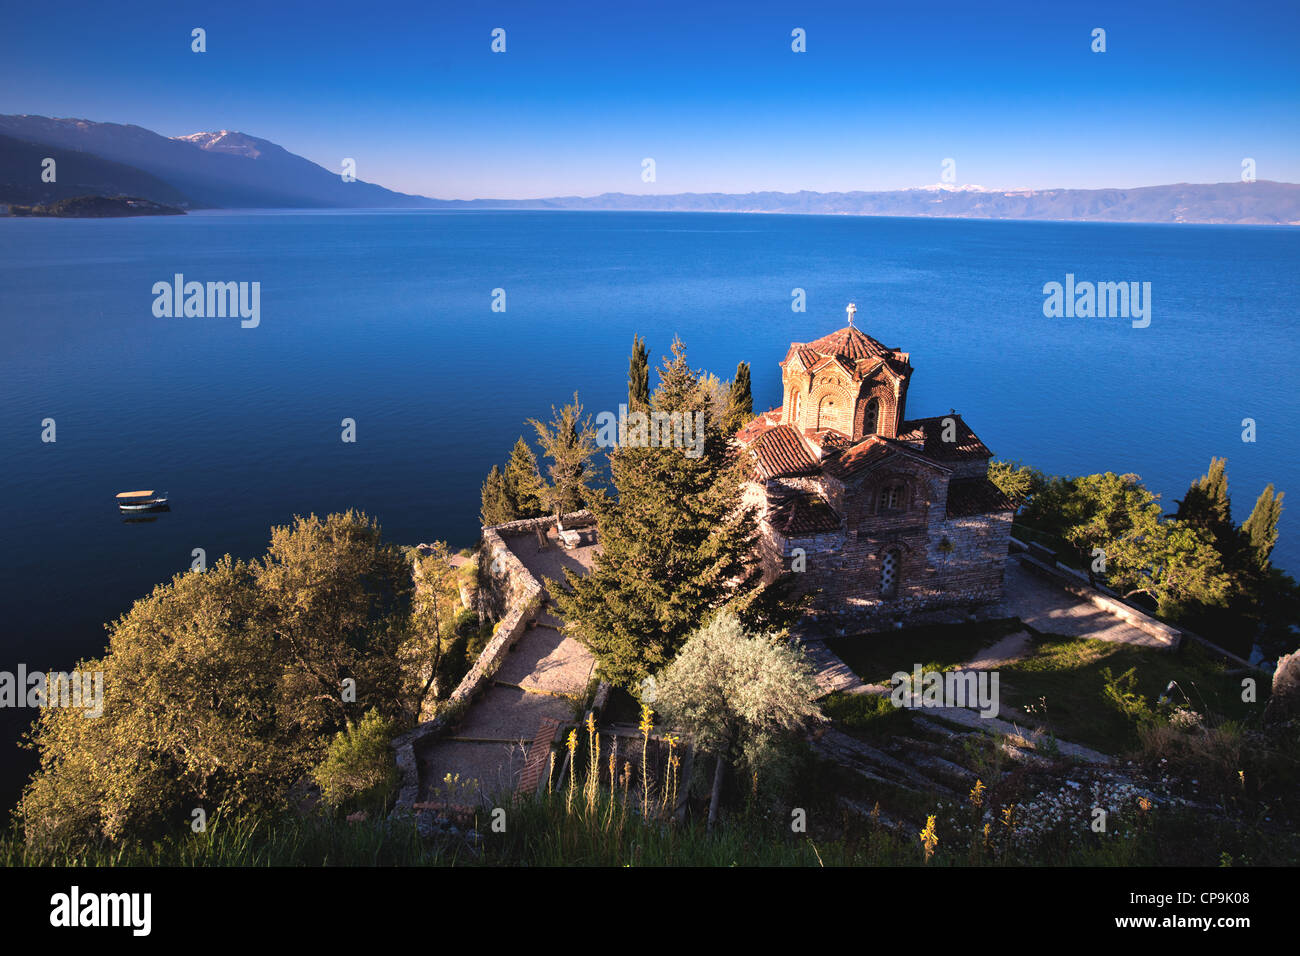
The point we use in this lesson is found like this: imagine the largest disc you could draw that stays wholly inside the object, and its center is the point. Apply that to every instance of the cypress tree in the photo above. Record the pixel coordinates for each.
(638, 376)
(1260, 528)
(740, 401)
(523, 483)
(496, 505)
(1206, 504)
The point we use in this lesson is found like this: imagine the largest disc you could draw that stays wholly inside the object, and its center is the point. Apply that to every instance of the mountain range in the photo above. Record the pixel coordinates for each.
(232, 170)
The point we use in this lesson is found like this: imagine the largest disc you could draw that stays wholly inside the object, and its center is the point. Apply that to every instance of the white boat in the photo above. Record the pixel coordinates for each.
(141, 500)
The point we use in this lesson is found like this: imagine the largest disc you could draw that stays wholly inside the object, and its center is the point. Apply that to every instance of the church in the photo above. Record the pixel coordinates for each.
(880, 516)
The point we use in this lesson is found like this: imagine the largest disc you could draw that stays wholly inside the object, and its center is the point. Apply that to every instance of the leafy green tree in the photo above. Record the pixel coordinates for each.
(190, 719)
(743, 698)
(1172, 562)
(1260, 528)
(1093, 511)
(569, 443)
(434, 614)
(638, 376)
(337, 602)
(358, 767)
(221, 689)
(523, 483)
(496, 507)
(740, 400)
(676, 543)
(1018, 482)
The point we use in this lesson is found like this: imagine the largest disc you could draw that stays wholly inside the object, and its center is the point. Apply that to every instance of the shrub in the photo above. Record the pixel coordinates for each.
(358, 768)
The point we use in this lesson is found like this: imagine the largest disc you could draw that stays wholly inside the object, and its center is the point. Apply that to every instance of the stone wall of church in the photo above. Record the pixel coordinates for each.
(942, 563)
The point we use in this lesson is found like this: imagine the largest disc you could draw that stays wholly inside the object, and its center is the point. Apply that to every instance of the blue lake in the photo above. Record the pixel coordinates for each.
(386, 318)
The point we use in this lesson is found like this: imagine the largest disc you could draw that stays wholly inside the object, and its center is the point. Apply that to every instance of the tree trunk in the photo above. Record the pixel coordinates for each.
(716, 796)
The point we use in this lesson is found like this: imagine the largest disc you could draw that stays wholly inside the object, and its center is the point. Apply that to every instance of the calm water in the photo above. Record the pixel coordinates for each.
(385, 318)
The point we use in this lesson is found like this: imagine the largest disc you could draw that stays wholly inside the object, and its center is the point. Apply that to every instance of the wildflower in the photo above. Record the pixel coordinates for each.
(573, 747)
(977, 793)
(929, 838)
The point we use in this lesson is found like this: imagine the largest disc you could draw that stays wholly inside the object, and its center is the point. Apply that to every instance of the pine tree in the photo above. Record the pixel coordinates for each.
(569, 442)
(523, 483)
(676, 545)
(740, 401)
(638, 376)
(496, 505)
(1260, 528)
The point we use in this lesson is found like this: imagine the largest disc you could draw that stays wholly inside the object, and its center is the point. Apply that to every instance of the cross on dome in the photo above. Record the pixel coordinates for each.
(851, 310)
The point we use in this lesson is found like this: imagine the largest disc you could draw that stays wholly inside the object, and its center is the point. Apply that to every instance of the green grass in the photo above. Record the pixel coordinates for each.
(1068, 672)
(866, 715)
(875, 657)
(292, 841)
(539, 832)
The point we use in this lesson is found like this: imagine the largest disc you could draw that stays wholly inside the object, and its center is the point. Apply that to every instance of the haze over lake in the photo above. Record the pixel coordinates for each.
(385, 318)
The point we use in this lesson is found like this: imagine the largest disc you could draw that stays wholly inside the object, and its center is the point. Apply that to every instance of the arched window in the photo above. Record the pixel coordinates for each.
(893, 497)
(889, 574)
(827, 412)
(794, 410)
(871, 418)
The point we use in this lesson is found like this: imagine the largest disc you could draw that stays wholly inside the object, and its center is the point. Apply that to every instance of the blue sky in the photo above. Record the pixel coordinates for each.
(711, 91)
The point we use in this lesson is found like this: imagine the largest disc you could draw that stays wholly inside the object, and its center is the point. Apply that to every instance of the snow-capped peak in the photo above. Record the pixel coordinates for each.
(225, 141)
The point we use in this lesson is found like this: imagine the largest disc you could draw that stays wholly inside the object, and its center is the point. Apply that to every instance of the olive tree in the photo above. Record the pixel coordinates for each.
(744, 698)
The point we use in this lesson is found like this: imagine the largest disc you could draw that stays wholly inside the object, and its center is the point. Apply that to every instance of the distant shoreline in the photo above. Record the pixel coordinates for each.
(93, 207)
(461, 210)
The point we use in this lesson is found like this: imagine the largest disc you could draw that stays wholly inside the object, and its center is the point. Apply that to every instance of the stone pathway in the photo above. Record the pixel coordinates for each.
(1012, 648)
(545, 661)
(1053, 610)
(829, 672)
(537, 685)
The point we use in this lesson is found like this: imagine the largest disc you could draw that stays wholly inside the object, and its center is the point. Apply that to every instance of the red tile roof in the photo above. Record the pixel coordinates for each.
(808, 356)
(828, 439)
(850, 342)
(927, 434)
(871, 451)
(864, 454)
(975, 496)
(757, 426)
(780, 452)
(803, 515)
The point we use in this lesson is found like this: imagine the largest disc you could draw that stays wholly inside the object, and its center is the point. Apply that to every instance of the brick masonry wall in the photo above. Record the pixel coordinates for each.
(943, 562)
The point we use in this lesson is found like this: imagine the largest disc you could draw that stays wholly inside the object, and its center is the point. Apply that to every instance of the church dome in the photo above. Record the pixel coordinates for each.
(850, 342)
